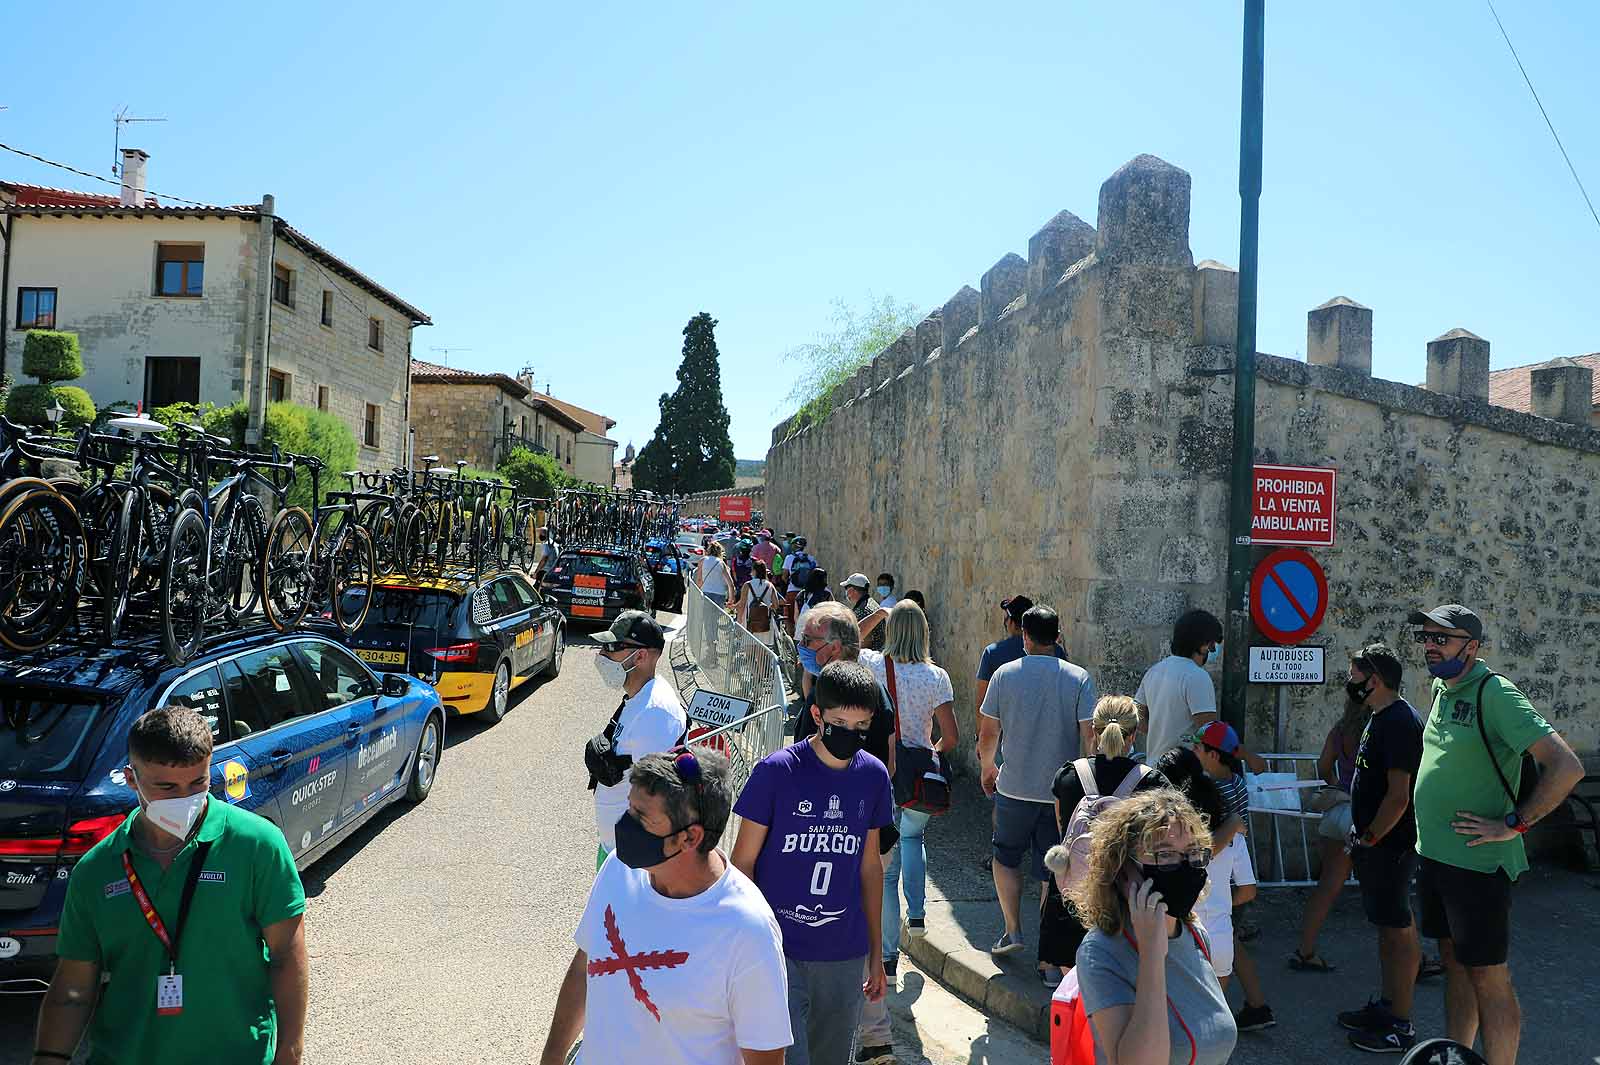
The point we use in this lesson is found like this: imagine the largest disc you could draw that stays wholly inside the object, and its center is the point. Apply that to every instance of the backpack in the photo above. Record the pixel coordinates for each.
(800, 568)
(759, 619)
(1070, 860)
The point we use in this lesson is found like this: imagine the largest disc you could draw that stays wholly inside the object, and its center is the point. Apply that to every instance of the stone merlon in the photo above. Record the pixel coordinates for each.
(1144, 214)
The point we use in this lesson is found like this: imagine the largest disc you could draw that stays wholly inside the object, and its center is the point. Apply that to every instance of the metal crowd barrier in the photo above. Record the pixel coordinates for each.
(1279, 815)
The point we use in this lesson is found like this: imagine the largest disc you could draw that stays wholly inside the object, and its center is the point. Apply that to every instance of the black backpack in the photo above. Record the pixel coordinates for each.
(800, 568)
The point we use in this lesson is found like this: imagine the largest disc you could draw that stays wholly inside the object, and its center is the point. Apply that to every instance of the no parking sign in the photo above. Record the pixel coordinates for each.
(1288, 595)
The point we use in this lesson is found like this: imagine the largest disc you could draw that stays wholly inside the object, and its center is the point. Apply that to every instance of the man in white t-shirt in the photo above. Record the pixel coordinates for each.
(651, 717)
(1176, 697)
(680, 960)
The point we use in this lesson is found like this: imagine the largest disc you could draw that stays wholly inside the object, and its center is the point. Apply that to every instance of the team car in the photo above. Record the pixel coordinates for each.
(473, 637)
(598, 583)
(305, 735)
(667, 564)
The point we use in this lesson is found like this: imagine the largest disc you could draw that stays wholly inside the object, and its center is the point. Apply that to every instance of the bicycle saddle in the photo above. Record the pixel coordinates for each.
(349, 473)
(430, 458)
(138, 426)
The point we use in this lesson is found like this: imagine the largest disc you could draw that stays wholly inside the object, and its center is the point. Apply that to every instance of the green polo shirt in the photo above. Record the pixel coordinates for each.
(1456, 774)
(248, 882)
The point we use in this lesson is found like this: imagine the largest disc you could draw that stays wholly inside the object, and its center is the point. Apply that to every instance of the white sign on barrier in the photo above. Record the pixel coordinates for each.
(1286, 665)
(715, 709)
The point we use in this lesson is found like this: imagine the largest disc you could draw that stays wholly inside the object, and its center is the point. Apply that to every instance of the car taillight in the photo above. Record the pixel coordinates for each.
(78, 839)
(456, 653)
(556, 570)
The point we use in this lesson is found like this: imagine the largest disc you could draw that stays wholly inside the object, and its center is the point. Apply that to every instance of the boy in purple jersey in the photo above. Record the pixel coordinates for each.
(809, 840)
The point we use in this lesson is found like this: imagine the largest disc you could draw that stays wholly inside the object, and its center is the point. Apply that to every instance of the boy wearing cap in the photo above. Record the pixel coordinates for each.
(1470, 824)
(650, 718)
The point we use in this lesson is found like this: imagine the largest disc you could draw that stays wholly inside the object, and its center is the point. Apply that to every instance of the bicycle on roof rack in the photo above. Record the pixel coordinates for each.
(316, 559)
(43, 546)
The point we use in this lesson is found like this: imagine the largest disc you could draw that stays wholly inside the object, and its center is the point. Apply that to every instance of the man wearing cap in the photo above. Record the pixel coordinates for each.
(869, 615)
(798, 564)
(191, 912)
(679, 960)
(1470, 824)
(650, 718)
(764, 550)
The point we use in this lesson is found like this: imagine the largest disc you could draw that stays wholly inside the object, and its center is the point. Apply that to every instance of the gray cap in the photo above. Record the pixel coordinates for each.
(1450, 616)
(856, 580)
(633, 628)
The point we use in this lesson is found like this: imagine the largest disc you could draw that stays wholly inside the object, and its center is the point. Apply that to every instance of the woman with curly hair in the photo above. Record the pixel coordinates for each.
(1143, 970)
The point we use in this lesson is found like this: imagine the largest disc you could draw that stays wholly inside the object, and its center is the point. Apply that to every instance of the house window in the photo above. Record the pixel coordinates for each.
(369, 428)
(374, 334)
(283, 284)
(538, 435)
(180, 269)
(327, 306)
(322, 397)
(36, 308)
(278, 390)
(558, 445)
(170, 380)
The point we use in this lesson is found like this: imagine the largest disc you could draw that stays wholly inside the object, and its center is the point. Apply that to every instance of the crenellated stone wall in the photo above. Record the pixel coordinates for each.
(1063, 431)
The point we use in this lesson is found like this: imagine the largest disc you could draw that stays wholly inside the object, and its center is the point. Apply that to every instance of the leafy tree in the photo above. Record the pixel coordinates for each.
(533, 474)
(691, 450)
(853, 338)
(50, 356)
(294, 429)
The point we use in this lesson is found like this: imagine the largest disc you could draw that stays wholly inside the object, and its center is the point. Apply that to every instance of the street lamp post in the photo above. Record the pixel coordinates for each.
(55, 412)
(1241, 488)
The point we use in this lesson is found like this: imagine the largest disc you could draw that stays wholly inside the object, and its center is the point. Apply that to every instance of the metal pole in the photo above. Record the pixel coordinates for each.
(1241, 487)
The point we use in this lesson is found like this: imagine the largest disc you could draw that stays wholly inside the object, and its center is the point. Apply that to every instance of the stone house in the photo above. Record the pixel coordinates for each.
(596, 452)
(482, 417)
(1517, 388)
(182, 302)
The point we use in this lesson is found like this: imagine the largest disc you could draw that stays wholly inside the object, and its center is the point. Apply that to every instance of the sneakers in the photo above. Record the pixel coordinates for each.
(891, 967)
(917, 927)
(1006, 944)
(1394, 1037)
(1373, 1016)
(1051, 977)
(1254, 1018)
(875, 1056)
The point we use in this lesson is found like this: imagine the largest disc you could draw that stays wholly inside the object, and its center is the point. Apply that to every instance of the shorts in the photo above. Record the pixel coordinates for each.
(1335, 824)
(1469, 908)
(1219, 926)
(1385, 875)
(1018, 824)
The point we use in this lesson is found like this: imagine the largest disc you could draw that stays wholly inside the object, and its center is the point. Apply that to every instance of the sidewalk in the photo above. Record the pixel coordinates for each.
(1555, 923)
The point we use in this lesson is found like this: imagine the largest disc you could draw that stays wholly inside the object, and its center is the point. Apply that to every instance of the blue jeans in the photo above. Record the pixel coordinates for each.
(908, 867)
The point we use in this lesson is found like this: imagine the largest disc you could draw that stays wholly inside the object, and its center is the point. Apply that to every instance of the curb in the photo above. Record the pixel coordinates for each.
(971, 973)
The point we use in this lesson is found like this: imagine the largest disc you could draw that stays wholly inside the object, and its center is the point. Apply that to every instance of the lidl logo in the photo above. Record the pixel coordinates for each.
(235, 781)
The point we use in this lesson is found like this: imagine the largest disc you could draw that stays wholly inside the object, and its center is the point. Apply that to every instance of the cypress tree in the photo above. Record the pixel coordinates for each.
(691, 450)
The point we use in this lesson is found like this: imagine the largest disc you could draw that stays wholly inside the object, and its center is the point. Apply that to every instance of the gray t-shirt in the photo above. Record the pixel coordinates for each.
(1038, 700)
(1108, 968)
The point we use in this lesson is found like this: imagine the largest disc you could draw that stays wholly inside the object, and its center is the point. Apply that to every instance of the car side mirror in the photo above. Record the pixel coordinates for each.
(395, 685)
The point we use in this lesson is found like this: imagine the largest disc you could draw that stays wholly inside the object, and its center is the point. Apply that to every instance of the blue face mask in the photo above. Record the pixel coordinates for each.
(1216, 654)
(883, 591)
(808, 659)
(1447, 668)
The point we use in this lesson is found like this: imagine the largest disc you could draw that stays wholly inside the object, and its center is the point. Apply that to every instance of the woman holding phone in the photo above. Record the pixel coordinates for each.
(1144, 969)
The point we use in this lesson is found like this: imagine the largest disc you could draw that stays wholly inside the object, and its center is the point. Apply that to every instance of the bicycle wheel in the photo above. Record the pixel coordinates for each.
(242, 560)
(350, 577)
(413, 542)
(41, 567)
(286, 579)
(184, 598)
(126, 548)
(381, 520)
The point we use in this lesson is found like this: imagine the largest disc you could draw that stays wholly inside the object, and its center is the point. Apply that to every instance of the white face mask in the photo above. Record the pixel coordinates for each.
(613, 673)
(173, 816)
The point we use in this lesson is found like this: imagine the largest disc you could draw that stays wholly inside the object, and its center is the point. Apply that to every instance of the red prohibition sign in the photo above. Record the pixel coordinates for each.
(1288, 595)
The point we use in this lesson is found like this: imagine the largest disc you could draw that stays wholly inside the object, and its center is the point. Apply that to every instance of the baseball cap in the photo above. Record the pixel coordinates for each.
(799, 541)
(855, 580)
(1016, 606)
(633, 628)
(1219, 734)
(1450, 616)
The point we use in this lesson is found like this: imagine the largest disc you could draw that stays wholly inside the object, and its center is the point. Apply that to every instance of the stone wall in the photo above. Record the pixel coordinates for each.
(1060, 432)
(706, 502)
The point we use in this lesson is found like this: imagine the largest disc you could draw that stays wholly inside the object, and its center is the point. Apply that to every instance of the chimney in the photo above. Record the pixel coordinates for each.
(133, 188)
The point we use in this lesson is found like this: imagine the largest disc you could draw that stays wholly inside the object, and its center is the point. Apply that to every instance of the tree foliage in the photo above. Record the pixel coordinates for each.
(51, 356)
(294, 429)
(853, 337)
(691, 450)
(533, 474)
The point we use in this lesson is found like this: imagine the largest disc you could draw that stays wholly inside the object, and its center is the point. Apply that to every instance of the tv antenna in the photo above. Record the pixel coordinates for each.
(446, 352)
(120, 119)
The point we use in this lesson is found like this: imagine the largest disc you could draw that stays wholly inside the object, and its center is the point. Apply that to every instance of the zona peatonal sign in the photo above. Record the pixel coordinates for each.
(715, 709)
(1293, 505)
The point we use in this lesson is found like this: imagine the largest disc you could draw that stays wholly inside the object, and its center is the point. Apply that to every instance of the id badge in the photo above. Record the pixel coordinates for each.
(169, 994)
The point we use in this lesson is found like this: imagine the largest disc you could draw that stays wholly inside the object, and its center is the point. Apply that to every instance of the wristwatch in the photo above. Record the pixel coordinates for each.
(1516, 824)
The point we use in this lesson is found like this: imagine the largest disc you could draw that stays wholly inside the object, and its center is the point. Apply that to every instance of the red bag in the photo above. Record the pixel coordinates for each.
(1071, 1035)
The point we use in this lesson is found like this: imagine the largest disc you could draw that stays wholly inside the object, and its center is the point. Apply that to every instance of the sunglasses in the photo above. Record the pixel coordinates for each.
(1438, 639)
(1171, 861)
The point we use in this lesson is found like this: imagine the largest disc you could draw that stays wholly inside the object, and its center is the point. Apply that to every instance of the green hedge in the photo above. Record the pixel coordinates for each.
(28, 403)
(49, 355)
(534, 474)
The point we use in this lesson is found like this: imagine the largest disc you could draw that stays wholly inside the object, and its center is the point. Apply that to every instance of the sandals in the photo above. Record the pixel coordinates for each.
(1309, 963)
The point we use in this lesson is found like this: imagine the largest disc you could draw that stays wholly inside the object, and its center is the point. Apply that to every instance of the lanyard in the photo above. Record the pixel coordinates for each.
(1194, 1048)
(148, 908)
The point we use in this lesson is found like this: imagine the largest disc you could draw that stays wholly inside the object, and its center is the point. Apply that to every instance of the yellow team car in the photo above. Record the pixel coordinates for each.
(474, 638)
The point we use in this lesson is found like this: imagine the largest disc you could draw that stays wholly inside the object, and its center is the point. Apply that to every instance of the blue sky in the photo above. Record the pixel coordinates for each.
(567, 188)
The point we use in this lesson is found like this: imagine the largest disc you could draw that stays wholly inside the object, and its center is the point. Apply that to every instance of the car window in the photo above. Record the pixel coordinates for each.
(266, 689)
(503, 599)
(43, 733)
(340, 678)
(601, 565)
(202, 693)
(525, 590)
(394, 605)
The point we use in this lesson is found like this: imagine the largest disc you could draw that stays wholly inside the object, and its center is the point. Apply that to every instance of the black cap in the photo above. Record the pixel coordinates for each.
(1016, 606)
(1450, 616)
(633, 628)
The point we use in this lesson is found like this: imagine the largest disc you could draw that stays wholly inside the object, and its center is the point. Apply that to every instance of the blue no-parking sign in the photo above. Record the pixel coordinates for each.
(1288, 595)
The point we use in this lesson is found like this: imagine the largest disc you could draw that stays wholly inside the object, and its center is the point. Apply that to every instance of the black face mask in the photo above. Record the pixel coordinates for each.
(1180, 888)
(841, 742)
(640, 848)
(1357, 690)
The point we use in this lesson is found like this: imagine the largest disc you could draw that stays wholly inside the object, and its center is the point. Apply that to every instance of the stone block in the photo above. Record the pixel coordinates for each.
(960, 313)
(930, 332)
(1564, 391)
(1064, 240)
(1216, 305)
(899, 355)
(1458, 365)
(1144, 215)
(1002, 283)
(1339, 333)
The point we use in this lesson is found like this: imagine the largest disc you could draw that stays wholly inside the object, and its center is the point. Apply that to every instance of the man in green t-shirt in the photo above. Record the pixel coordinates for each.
(1470, 825)
(192, 908)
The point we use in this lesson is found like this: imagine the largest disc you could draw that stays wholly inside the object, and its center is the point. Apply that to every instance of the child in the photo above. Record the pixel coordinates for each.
(1217, 747)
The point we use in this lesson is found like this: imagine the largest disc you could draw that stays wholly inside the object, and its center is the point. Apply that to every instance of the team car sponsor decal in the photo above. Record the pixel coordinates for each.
(314, 788)
(20, 879)
(387, 741)
(235, 780)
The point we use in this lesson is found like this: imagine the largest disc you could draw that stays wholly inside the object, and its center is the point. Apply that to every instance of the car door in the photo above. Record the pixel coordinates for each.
(232, 767)
(296, 741)
(506, 624)
(541, 625)
(378, 740)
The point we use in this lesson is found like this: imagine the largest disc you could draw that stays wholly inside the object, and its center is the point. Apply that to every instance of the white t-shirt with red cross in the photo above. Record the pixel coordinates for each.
(680, 981)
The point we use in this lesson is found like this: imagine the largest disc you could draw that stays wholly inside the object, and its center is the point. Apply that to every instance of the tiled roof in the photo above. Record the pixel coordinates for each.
(433, 373)
(45, 196)
(595, 423)
(1512, 387)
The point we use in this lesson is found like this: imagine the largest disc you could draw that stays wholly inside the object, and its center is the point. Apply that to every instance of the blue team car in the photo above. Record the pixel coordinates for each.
(306, 735)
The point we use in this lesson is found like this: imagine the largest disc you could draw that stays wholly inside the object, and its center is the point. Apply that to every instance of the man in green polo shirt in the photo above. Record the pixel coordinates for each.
(218, 977)
(1470, 825)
